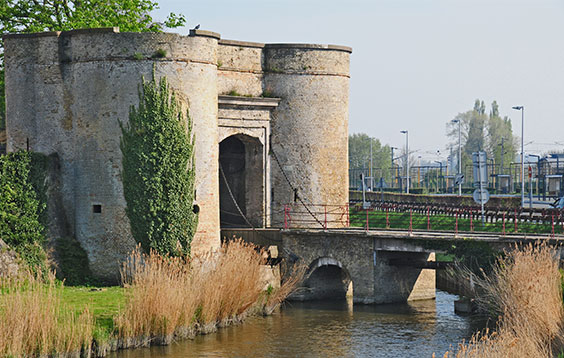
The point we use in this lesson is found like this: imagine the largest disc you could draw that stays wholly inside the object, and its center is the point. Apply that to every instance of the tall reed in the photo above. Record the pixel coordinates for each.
(177, 296)
(525, 290)
(33, 321)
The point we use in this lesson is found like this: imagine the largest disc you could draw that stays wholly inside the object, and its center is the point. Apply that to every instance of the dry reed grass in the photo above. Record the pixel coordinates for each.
(34, 323)
(291, 280)
(170, 297)
(524, 289)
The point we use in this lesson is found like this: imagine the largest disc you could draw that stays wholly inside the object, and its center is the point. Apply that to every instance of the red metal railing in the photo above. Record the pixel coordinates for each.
(423, 217)
(323, 216)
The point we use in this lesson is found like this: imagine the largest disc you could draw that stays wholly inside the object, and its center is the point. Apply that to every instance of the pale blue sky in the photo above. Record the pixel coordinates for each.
(417, 63)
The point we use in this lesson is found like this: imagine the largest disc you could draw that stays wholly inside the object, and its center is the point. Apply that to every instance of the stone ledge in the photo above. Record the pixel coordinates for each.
(310, 47)
(204, 33)
(98, 30)
(32, 35)
(241, 43)
(248, 101)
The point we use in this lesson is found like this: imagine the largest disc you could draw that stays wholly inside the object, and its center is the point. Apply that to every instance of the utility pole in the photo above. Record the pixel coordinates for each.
(406, 160)
(459, 171)
(522, 109)
(392, 166)
(502, 155)
(370, 171)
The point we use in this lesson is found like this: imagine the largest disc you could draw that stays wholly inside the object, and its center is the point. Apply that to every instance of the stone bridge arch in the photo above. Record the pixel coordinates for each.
(325, 278)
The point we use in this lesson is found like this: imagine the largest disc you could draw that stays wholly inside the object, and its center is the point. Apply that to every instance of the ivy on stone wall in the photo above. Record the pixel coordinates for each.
(21, 207)
(158, 171)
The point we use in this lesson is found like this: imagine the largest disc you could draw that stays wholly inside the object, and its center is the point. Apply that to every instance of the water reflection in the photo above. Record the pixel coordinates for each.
(333, 329)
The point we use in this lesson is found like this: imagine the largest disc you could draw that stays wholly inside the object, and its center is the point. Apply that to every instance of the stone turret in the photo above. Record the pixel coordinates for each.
(310, 128)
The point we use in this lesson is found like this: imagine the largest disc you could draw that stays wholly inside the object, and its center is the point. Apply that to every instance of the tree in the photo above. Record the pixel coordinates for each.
(480, 131)
(26, 16)
(54, 15)
(359, 155)
(500, 137)
(158, 171)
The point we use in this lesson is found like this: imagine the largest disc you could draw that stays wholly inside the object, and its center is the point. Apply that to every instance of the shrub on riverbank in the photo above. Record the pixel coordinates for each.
(177, 296)
(33, 321)
(525, 290)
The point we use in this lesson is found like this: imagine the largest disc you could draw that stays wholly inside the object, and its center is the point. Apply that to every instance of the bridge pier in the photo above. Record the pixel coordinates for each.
(394, 283)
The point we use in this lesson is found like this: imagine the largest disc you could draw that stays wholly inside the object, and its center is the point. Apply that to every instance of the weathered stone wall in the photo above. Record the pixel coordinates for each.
(310, 126)
(9, 261)
(240, 68)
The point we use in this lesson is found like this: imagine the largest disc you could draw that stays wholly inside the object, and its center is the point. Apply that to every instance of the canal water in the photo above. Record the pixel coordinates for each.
(333, 329)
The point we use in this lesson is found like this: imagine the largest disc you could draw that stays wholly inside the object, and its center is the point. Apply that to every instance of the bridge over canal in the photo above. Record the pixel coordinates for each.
(375, 266)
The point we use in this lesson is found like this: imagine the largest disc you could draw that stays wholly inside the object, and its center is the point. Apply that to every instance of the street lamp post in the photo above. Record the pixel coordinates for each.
(392, 166)
(370, 170)
(406, 160)
(522, 109)
(459, 171)
(439, 175)
(419, 172)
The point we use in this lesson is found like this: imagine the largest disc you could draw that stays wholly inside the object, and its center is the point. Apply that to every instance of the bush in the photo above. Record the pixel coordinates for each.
(177, 296)
(525, 290)
(168, 295)
(33, 321)
(158, 171)
(20, 209)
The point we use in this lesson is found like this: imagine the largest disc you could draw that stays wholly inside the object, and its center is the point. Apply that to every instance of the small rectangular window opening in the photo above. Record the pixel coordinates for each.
(97, 209)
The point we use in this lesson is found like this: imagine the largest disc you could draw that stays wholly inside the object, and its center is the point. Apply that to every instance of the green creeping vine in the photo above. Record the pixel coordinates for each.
(22, 205)
(158, 171)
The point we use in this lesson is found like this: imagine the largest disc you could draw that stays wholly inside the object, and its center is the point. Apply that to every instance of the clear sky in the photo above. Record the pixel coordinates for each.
(417, 63)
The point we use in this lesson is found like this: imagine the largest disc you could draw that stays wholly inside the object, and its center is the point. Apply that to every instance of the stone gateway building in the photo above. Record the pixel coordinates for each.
(273, 117)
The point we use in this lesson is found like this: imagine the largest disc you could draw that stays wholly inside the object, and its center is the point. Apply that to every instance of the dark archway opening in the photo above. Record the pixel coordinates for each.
(326, 281)
(241, 182)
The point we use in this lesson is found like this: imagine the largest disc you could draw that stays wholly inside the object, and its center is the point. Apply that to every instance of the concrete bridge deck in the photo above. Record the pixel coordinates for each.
(368, 264)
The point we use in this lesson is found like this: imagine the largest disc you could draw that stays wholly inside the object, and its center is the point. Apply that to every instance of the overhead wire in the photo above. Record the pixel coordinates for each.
(295, 190)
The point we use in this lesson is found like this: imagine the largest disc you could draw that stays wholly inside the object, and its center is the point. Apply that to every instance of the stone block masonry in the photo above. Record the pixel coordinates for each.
(67, 92)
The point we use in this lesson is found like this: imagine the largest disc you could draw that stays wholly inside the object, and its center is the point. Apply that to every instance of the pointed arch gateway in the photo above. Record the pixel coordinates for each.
(244, 175)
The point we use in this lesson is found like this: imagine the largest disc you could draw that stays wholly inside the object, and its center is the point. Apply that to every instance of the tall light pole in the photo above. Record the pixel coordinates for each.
(370, 170)
(522, 109)
(459, 171)
(406, 160)
(392, 166)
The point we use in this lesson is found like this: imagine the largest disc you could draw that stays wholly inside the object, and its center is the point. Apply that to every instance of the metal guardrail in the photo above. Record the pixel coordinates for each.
(424, 217)
(458, 218)
(316, 215)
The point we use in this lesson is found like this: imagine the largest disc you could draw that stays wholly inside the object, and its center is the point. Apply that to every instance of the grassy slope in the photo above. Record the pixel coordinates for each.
(103, 302)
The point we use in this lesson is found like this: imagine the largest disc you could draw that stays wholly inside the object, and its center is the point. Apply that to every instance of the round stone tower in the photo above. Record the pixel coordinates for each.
(68, 92)
(309, 131)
